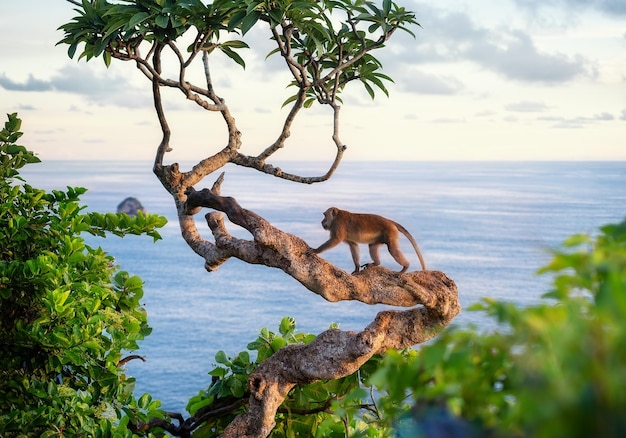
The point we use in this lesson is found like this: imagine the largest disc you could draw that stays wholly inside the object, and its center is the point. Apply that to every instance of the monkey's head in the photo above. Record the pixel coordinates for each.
(329, 217)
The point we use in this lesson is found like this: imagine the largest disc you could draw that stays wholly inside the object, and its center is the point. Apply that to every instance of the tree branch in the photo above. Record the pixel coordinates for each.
(275, 248)
(335, 354)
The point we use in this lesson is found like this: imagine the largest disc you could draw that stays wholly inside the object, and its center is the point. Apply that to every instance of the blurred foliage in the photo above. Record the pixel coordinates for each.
(66, 312)
(555, 369)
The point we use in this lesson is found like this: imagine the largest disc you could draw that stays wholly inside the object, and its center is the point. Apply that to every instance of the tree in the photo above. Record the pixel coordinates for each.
(326, 46)
(67, 313)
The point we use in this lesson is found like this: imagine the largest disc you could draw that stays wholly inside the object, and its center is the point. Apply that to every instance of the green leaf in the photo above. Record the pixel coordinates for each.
(289, 100)
(249, 21)
(193, 408)
(235, 44)
(287, 326)
(162, 21)
(278, 343)
(233, 55)
(222, 357)
(136, 19)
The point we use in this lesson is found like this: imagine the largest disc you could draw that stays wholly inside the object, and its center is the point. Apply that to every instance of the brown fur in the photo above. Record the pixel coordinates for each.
(372, 229)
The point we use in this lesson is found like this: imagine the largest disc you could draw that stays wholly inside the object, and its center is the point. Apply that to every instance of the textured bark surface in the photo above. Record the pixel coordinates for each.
(335, 353)
(431, 295)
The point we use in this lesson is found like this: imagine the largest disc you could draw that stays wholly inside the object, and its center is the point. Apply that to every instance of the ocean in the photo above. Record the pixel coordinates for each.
(488, 225)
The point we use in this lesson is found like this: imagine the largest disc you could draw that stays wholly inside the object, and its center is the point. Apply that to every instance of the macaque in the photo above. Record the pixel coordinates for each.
(355, 228)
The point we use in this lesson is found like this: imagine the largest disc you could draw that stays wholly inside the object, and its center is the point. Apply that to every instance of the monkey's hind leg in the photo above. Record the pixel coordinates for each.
(395, 252)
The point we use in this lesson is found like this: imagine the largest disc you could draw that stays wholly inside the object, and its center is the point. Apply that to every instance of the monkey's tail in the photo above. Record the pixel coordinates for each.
(413, 242)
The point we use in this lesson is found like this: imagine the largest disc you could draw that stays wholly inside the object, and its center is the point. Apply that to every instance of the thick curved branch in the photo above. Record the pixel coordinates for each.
(431, 296)
(275, 248)
(335, 354)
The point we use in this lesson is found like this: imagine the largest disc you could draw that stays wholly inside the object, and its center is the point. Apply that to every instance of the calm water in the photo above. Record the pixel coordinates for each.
(487, 225)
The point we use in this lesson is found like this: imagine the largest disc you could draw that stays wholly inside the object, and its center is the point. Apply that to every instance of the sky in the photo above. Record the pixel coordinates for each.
(482, 80)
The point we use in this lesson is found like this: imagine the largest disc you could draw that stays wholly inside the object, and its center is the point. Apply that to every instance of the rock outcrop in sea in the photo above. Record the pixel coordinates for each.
(130, 206)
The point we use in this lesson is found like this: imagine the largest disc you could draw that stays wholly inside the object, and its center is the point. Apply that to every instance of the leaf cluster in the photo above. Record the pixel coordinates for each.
(323, 409)
(67, 313)
(330, 42)
(117, 29)
(326, 43)
(551, 369)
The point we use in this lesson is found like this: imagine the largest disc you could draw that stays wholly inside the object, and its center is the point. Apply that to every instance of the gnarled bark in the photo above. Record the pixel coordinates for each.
(334, 353)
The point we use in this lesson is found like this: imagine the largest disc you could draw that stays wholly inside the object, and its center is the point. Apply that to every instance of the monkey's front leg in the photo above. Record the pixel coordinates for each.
(374, 254)
(356, 258)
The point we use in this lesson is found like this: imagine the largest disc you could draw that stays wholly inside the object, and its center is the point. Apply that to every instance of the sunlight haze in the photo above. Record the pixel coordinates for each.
(482, 80)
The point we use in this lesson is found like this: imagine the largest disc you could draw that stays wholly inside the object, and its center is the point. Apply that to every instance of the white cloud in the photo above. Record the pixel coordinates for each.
(515, 55)
(424, 83)
(102, 88)
(526, 107)
(604, 116)
(611, 7)
(31, 84)
(452, 37)
(580, 121)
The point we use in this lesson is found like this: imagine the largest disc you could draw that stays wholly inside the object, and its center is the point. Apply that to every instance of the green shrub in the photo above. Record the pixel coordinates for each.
(557, 369)
(67, 313)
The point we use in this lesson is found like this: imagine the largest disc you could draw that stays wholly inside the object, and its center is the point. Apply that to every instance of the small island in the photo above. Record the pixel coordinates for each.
(131, 206)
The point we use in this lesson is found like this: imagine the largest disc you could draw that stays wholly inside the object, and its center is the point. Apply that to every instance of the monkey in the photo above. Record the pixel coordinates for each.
(355, 228)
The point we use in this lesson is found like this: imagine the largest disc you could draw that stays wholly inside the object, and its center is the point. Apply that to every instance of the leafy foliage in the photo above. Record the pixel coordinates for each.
(553, 369)
(330, 40)
(67, 313)
(323, 409)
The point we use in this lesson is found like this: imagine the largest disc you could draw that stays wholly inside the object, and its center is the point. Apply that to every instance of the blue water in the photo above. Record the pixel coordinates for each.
(488, 225)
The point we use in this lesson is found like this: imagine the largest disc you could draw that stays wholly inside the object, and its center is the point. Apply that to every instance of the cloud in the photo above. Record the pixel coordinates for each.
(515, 56)
(447, 120)
(526, 107)
(451, 37)
(623, 115)
(424, 83)
(99, 89)
(604, 116)
(580, 122)
(25, 107)
(31, 84)
(609, 7)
